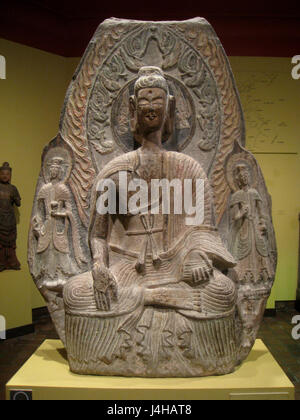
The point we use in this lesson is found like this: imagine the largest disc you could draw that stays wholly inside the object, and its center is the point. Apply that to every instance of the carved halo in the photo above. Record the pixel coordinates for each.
(241, 158)
(57, 152)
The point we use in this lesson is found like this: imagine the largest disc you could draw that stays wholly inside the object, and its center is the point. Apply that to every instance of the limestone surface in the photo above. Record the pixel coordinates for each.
(151, 235)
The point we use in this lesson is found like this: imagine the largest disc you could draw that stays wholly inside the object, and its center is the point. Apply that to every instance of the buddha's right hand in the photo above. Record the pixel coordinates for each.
(105, 286)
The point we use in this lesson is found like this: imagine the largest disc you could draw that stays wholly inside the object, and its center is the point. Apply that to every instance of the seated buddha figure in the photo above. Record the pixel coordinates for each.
(157, 302)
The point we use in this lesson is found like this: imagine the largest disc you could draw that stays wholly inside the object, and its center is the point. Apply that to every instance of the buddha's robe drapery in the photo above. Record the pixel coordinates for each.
(144, 339)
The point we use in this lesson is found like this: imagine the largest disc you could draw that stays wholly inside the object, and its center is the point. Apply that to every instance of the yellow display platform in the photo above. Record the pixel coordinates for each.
(47, 375)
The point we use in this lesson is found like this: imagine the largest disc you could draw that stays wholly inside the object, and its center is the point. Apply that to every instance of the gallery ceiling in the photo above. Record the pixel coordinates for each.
(253, 28)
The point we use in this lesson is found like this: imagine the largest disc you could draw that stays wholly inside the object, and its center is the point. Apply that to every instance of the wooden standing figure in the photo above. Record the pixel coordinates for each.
(9, 196)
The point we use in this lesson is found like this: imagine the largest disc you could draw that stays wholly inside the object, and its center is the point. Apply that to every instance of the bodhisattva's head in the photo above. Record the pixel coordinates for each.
(56, 168)
(5, 173)
(151, 107)
(242, 175)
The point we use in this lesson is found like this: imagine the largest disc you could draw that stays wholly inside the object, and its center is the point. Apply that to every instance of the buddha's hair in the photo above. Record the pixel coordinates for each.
(150, 77)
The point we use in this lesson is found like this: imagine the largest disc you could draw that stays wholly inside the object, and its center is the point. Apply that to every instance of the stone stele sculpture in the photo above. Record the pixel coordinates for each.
(171, 282)
(9, 198)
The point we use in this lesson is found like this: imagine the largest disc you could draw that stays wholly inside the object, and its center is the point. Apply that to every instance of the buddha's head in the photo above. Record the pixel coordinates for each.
(5, 173)
(151, 104)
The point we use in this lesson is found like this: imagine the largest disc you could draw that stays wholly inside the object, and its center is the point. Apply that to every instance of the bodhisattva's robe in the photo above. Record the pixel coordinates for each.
(248, 244)
(54, 258)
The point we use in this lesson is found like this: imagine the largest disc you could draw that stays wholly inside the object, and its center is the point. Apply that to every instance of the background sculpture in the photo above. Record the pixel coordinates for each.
(9, 197)
(206, 126)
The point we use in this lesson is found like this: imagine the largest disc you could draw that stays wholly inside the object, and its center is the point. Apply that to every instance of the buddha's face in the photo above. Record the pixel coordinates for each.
(151, 109)
(4, 176)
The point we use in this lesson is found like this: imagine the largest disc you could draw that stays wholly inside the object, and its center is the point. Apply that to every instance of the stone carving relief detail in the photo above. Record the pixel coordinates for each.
(123, 61)
(184, 120)
(232, 127)
(73, 120)
(168, 281)
(199, 60)
(195, 75)
(250, 242)
(123, 65)
(56, 250)
(183, 282)
(249, 225)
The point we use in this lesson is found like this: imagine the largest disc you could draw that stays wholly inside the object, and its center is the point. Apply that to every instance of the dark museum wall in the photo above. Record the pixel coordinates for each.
(39, 48)
(64, 27)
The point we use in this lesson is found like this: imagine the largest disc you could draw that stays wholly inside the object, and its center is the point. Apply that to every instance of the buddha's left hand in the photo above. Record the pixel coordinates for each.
(202, 273)
(197, 268)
